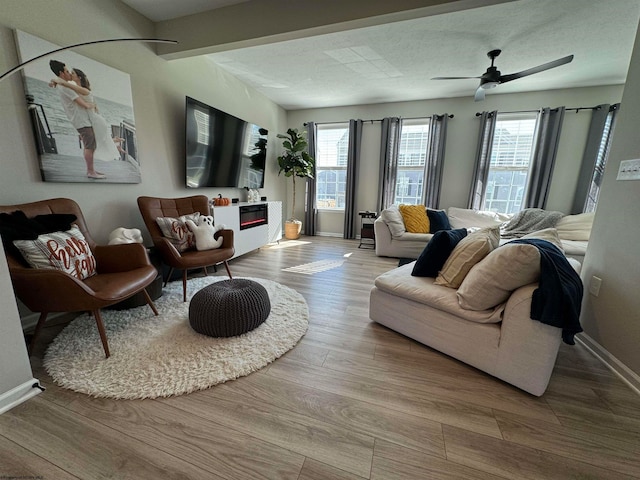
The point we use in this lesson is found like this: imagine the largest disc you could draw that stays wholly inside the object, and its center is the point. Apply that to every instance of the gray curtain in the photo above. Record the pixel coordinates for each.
(595, 154)
(544, 157)
(311, 210)
(353, 166)
(389, 144)
(483, 158)
(435, 161)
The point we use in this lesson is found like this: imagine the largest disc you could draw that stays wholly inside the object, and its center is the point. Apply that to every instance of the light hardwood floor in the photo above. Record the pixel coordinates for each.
(352, 400)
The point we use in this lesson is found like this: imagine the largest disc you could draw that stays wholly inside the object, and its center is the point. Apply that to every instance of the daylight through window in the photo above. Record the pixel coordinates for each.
(332, 143)
(412, 152)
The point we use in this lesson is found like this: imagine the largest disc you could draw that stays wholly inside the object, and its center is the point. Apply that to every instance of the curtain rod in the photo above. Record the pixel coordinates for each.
(380, 119)
(567, 109)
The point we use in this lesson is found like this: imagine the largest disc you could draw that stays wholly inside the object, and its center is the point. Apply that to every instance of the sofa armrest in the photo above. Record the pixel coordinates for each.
(528, 348)
(383, 237)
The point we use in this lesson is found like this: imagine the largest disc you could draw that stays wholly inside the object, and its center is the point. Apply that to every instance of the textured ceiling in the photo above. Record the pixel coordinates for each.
(395, 61)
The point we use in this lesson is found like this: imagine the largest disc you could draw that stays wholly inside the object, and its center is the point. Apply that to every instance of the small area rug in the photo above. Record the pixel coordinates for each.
(163, 356)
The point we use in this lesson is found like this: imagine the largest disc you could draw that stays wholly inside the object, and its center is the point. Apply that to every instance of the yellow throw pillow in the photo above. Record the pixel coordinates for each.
(415, 218)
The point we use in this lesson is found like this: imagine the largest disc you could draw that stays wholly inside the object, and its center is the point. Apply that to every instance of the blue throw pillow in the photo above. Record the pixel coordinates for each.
(432, 258)
(438, 220)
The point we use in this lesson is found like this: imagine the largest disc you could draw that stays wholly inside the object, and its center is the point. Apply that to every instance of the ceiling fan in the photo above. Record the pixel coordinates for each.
(492, 77)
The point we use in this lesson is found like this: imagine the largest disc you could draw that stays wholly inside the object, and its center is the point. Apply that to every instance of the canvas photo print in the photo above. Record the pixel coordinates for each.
(81, 112)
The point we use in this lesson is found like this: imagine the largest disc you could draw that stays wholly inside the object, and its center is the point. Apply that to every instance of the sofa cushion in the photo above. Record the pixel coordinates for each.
(437, 251)
(438, 220)
(548, 234)
(466, 217)
(400, 283)
(469, 251)
(394, 221)
(575, 227)
(66, 251)
(176, 230)
(491, 281)
(415, 218)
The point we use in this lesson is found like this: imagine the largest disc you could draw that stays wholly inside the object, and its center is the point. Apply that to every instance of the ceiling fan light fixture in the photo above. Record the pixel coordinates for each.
(489, 85)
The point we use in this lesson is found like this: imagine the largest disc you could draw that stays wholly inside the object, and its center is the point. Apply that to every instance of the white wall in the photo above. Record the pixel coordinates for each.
(612, 319)
(158, 88)
(462, 135)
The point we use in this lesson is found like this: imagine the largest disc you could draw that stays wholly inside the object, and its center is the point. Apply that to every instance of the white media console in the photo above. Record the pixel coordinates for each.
(254, 224)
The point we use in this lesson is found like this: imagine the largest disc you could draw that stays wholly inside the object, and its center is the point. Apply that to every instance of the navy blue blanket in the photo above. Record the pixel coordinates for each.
(558, 299)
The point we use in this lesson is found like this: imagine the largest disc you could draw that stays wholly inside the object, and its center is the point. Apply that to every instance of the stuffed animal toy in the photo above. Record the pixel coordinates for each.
(125, 235)
(204, 232)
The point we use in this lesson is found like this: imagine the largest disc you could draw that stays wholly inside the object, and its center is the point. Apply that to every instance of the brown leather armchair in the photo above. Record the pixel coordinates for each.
(153, 207)
(122, 271)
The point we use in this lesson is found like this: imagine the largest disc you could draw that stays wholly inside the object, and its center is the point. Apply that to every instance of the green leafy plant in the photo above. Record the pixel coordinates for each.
(295, 161)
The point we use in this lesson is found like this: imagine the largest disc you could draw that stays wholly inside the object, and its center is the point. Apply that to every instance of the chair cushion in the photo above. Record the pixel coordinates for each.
(575, 227)
(415, 218)
(466, 254)
(176, 230)
(66, 251)
(435, 254)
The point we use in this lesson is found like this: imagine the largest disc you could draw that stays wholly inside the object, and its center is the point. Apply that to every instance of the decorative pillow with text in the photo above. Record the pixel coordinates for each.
(176, 230)
(66, 251)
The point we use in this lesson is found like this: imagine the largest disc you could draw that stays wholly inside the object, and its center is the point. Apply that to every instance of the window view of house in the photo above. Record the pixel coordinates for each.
(412, 153)
(332, 144)
(511, 152)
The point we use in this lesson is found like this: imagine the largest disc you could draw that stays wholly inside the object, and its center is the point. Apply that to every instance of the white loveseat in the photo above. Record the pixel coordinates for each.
(502, 340)
(392, 240)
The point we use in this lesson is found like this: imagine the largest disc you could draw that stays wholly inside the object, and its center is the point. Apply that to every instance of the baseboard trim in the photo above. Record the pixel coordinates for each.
(19, 394)
(627, 375)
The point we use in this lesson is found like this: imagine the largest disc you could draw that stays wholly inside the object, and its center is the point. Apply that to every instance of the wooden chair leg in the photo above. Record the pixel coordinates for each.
(103, 333)
(226, 265)
(168, 276)
(184, 285)
(36, 332)
(150, 302)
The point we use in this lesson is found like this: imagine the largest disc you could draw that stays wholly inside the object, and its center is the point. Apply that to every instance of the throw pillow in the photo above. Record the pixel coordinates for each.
(548, 234)
(437, 251)
(66, 251)
(394, 221)
(467, 253)
(575, 227)
(415, 218)
(176, 230)
(438, 220)
(491, 281)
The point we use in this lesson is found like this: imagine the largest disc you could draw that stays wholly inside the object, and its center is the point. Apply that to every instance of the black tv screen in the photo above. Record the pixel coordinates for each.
(221, 149)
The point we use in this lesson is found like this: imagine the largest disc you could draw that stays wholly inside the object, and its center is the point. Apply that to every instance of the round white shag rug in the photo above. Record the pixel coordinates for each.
(163, 356)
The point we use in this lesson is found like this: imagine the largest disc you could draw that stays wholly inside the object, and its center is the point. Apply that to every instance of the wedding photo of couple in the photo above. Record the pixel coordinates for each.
(82, 114)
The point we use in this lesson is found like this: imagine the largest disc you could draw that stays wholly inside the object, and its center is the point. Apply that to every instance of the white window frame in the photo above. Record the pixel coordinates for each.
(323, 155)
(419, 153)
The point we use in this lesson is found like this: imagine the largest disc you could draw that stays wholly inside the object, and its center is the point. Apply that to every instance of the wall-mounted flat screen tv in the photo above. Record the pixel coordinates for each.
(222, 150)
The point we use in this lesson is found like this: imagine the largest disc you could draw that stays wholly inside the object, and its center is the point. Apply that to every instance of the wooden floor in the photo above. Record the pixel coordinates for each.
(352, 400)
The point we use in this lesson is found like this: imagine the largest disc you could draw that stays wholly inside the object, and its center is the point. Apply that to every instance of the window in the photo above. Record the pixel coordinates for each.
(511, 152)
(332, 143)
(412, 152)
(601, 161)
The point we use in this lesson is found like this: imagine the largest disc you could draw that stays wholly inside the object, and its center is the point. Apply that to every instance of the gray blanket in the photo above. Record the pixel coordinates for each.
(529, 220)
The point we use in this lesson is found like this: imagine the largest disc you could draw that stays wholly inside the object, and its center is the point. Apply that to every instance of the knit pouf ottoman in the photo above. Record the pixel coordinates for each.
(229, 308)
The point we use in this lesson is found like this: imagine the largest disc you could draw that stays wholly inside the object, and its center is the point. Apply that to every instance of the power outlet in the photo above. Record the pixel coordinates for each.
(594, 286)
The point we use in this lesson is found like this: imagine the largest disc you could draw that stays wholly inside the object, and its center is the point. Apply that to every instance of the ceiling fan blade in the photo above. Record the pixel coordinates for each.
(479, 96)
(452, 78)
(538, 69)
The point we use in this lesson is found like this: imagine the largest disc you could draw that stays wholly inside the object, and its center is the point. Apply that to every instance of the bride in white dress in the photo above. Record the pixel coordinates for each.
(106, 148)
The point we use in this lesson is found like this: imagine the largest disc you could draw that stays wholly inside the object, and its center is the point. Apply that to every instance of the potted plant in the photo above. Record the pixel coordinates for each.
(294, 162)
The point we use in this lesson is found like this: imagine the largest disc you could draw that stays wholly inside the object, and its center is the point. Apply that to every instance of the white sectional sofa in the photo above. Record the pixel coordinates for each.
(494, 331)
(392, 240)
